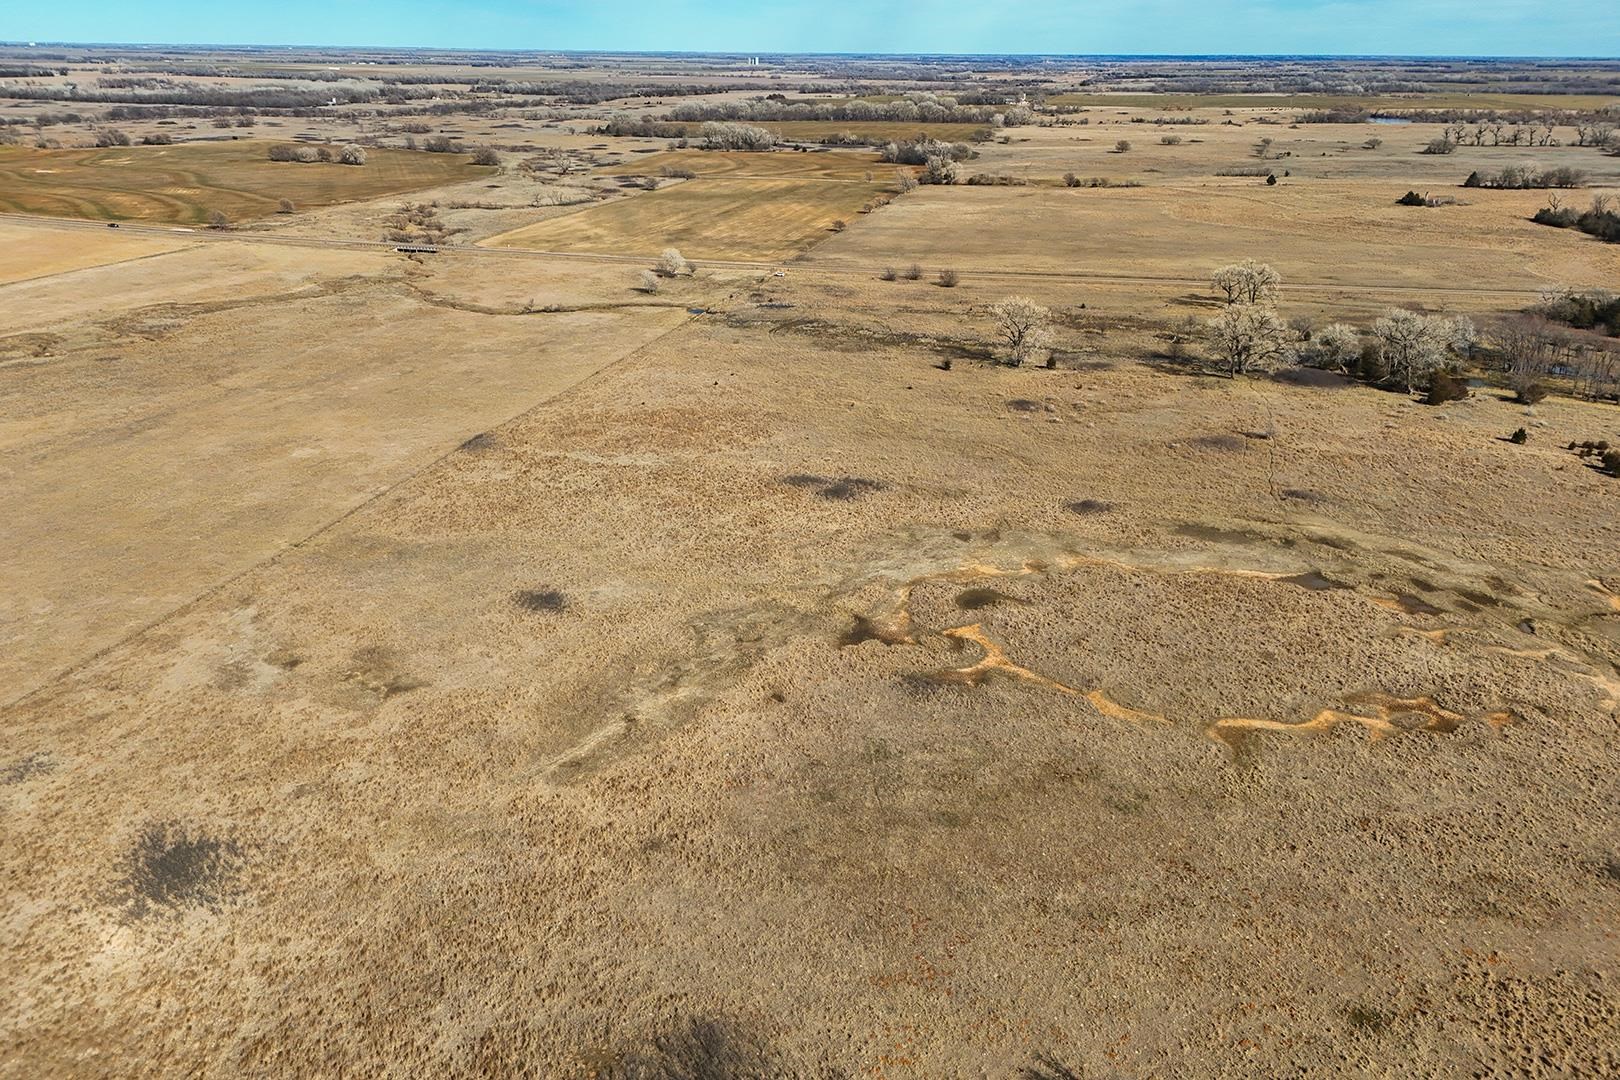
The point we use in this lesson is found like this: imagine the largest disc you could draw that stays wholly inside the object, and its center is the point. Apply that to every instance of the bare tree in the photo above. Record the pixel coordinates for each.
(218, 220)
(1023, 326)
(1249, 337)
(904, 181)
(650, 282)
(1247, 282)
(1415, 345)
(672, 264)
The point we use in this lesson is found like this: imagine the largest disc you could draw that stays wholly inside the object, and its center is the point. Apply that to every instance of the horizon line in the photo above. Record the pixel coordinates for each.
(777, 53)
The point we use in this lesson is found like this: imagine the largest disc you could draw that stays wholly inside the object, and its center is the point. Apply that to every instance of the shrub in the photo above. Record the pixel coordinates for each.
(938, 170)
(1373, 143)
(218, 220)
(485, 155)
(1474, 180)
(1611, 462)
(1071, 180)
(649, 282)
(904, 181)
(1411, 198)
(913, 272)
(1123, 146)
(1531, 393)
(1441, 145)
(284, 207)
(949, 279)
(1169, 140)
(1519, 437)
(1335, 347)
(352, 154)
(839, 225)
(1445, 386)
(888, 274)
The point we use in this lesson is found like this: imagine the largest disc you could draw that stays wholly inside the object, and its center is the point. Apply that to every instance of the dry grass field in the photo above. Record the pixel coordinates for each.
(463, 662)
(26, 252)
(184, 184)
(1364, 102)
(1182, 232)
(707, 218)
(787, 165)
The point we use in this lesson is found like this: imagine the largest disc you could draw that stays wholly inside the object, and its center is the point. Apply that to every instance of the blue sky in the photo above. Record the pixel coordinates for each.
(1385, 27)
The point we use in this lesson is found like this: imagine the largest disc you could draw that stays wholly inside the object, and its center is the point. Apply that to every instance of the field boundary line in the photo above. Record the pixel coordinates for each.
(220, 586)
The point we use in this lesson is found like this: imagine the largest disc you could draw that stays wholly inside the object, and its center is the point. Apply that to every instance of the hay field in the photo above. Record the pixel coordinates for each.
(705, 218)
(1364, 102)
(26, 252)
(1346, 234)
(184, 184)
(786, 164)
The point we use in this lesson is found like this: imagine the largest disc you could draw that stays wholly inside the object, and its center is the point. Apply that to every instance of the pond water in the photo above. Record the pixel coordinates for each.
(1389, 120)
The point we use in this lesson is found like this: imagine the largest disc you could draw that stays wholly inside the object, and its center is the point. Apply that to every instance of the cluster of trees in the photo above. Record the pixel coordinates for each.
(924, 108)
(268, 97)
(922, 150)
(1600, 220)
(1521, 177)
(1406, 348)
(1532, 349)
(1593, 309)
(721, 135)
(352, 154)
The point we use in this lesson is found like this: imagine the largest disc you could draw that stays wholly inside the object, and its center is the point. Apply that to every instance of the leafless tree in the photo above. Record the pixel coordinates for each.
(1415, 345)
(1249, 337)
(672, 264)
(1247, 282)
(650, 282)
(1023, 326)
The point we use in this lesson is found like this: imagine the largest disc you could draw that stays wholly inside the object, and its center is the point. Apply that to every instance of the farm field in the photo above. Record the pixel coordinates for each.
(185, 184)
(1362, 102)
(1185, 232)
(823, 165)
(27, 253)
(706, 219)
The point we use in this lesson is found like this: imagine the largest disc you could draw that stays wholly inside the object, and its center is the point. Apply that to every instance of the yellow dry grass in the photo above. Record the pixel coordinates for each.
(1183, 232)
(27, 252)
(185, 184)
(820, 165)
(705, 219)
